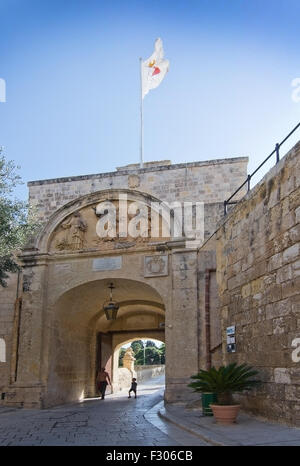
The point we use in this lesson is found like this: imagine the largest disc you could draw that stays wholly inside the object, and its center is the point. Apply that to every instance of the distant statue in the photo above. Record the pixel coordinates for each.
(128, 359)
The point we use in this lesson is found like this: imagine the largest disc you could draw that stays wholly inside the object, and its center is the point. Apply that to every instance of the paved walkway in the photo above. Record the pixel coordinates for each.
(247, 431)
(116, 421)
(119, 421)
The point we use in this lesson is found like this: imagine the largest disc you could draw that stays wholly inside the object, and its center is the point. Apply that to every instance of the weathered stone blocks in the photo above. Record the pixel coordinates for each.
(267, 314)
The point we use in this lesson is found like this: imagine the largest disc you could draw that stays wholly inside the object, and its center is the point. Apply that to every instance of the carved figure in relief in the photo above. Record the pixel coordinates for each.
(76, 227)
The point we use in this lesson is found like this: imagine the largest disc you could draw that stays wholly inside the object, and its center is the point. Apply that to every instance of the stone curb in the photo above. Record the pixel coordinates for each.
(155, 412)
(209, 437)
(7, 410)
(206, 435)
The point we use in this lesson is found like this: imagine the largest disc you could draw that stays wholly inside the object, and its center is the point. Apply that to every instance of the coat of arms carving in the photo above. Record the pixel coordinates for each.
(156, 266)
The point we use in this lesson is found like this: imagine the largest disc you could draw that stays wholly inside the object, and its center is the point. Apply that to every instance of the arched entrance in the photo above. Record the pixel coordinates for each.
(61, 334)
(123, 375)
(82, 339)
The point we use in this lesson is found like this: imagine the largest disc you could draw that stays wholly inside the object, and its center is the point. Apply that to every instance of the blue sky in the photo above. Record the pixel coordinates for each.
(73, 91)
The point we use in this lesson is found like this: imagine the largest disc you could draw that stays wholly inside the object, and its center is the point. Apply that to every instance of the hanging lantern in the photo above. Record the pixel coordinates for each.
(111, 307)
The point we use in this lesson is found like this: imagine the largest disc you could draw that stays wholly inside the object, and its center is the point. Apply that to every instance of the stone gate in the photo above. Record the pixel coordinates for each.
(52, 319)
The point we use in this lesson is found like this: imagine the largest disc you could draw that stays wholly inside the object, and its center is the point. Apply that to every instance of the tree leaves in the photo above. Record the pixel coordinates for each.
(153, 354)
(17, 220)
(7, 264)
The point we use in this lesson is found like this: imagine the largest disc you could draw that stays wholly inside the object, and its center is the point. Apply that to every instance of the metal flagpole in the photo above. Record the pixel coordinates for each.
(142, 129)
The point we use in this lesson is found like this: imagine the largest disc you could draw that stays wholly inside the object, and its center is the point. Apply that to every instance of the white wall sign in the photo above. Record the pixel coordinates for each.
(230, 332)
(230, 339)
(2, 350)
(107, 263)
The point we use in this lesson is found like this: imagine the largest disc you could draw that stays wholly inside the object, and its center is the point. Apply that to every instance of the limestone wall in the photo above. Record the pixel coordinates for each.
(211, 181)
(7, 312)
(144, 373)
(45, 280)
(124, 378)
(258, 272)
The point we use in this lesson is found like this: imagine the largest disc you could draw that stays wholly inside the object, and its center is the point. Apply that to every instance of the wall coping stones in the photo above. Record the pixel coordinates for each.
(130, 171)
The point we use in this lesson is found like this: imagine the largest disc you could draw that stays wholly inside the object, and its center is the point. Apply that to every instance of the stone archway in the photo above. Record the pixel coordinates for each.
(86, 207)
(78, 319)
(129, 337)
(64, 287)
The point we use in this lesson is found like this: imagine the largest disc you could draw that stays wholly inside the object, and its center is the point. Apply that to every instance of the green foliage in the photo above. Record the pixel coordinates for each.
(7, 264)
(153, 354)
(137, 345)
(162, 351)
(225, 381)
(17, 222)
(121, 356)
(150, 343)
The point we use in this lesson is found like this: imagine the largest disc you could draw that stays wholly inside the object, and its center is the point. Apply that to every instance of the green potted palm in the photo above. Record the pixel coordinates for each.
(224, 382)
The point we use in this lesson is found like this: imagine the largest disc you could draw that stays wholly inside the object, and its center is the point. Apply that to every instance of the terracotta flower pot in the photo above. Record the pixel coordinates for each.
(225, 414)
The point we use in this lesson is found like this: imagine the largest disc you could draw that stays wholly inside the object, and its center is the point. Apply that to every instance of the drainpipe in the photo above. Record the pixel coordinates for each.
(207, 317)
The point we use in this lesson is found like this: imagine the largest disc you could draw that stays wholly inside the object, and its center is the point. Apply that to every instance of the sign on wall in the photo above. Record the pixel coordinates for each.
(230, 335)
(107, 263)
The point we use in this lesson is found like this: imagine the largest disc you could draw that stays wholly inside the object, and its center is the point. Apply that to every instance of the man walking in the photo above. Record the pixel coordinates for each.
(102, 383)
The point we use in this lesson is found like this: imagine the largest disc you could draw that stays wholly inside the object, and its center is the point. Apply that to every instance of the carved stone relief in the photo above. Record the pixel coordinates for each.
(155, 266)
(80, 230)
(74, 237)
(133, 181)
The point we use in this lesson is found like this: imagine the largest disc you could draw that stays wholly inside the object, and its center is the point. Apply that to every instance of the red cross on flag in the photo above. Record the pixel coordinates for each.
(154, 69)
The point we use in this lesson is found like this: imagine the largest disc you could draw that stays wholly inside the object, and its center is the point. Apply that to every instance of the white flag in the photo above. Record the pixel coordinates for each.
(154, 69)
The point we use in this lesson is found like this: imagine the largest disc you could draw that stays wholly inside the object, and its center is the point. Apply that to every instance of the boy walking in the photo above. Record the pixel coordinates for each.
(133, 388)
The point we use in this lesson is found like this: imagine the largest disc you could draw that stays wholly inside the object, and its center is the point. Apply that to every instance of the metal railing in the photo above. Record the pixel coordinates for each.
(248, 179)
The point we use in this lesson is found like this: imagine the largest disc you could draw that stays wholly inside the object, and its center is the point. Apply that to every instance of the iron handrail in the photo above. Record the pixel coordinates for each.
(248, 179)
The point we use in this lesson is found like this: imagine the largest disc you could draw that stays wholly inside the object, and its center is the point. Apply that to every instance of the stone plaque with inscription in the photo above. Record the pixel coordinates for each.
(63, 267)
(156, 266)
(107, 263)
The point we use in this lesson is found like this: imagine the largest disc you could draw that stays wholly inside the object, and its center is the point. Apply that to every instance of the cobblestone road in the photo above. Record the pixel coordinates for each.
(115, 421)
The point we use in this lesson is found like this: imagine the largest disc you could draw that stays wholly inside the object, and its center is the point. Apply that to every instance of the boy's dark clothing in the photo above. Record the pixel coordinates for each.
(133, 389)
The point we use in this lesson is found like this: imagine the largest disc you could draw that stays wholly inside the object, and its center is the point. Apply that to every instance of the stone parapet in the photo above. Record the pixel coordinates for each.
(208, 181)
